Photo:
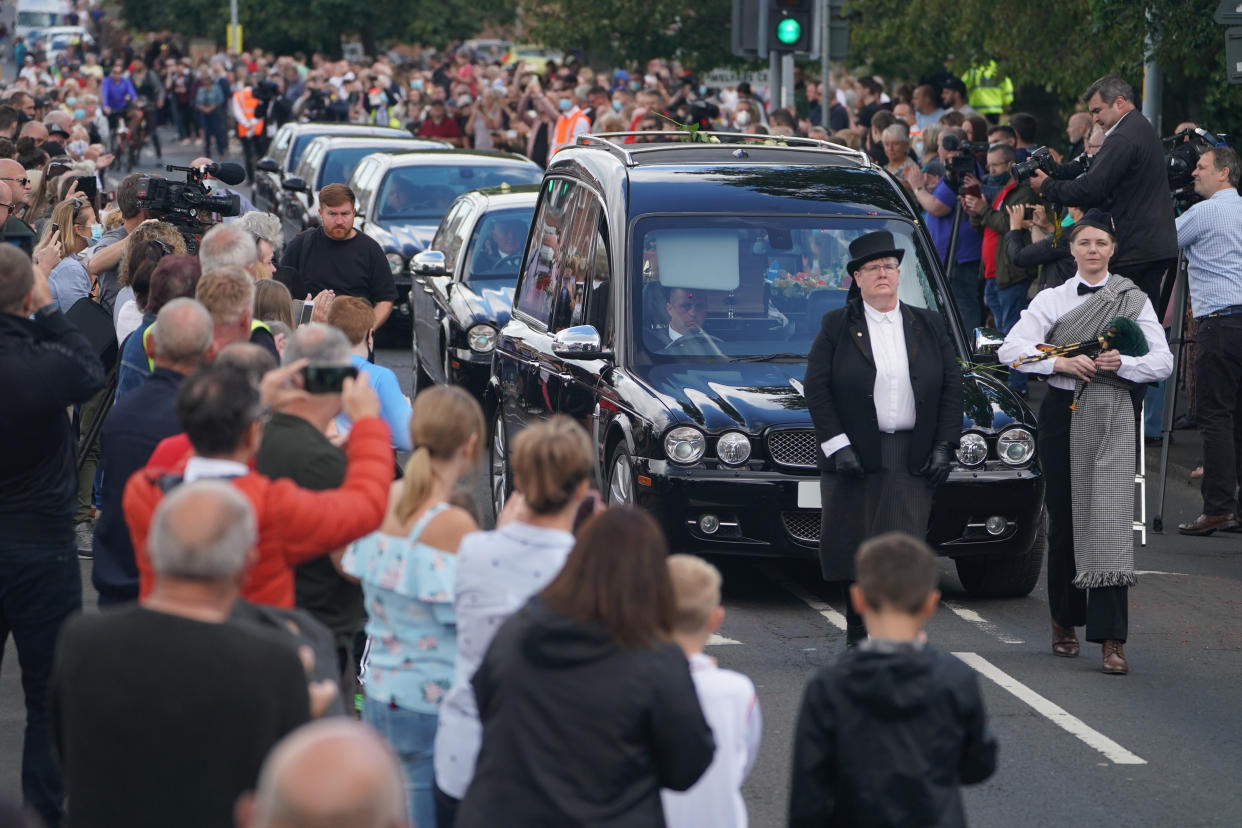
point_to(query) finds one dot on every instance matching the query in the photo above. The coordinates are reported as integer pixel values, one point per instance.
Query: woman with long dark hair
(588, 708)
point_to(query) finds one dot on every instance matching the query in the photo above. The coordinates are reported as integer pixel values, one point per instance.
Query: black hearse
(709, 431)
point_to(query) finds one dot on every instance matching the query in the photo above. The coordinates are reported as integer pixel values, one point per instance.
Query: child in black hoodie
(887, 734)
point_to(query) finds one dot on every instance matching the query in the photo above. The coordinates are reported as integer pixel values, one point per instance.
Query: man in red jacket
(221, 412)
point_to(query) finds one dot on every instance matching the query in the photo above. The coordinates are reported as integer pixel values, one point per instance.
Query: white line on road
(833, 617)
(971, 617)
(1053, 712)
(1157, 572)
(718, 640)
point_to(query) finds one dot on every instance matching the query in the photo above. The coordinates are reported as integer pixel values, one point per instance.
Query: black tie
(1084, 289)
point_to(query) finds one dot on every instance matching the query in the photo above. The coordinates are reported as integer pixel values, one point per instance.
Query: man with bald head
(180, 340)
(1076, 130)
(335, 772)
(17, 196)
(172, 680)
(34, 130)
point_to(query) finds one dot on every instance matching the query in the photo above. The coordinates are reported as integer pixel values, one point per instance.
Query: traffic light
(791, 25)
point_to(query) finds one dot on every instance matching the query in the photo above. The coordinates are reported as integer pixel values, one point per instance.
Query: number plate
(808, 495)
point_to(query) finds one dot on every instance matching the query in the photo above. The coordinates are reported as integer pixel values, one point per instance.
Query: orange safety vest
(565, 125)
(247, 102)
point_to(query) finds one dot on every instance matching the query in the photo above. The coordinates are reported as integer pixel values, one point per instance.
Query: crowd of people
(231, 468)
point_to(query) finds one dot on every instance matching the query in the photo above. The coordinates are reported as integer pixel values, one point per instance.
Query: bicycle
(137, 123)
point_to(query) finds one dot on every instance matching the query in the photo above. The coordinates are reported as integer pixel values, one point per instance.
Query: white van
(36, 15)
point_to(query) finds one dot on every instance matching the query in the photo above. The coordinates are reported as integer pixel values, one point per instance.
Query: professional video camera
(1182, 156)
(966, 159)
(1040, 159)
(264, 90)
(189, 205)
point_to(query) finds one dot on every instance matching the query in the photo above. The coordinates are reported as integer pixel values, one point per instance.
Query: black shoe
(854, 635)
(1184, 422)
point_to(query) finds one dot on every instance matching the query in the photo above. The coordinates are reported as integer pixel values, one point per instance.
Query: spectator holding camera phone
(1033, 241)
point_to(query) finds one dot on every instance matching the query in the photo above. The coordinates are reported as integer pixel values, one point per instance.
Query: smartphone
(88, 187)
(326, 379)
(1028, 212)
(308, 310)
(971, 190)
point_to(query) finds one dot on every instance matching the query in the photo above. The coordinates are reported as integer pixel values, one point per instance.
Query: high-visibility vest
(565, 126)
(255, 325)
(244, 106)
(988, 93)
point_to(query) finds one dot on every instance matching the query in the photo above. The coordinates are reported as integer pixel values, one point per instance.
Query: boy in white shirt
(728, 700)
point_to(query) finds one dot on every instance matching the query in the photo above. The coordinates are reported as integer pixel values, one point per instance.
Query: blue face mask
(96, 232)
(79, 114)
(566, 104)
(71, 100)
(616, 106)
(635, 86)
(702, 91)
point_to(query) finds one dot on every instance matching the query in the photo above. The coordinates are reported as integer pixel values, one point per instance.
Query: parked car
(402, 198)
(55, 41)
(710, 430)
(463, 285)
(287, 148)
(332, 160)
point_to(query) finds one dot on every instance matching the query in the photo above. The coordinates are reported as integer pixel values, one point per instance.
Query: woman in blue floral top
(407, 570)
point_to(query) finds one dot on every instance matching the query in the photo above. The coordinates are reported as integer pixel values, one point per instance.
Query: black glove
(846, 462)
(936, 469)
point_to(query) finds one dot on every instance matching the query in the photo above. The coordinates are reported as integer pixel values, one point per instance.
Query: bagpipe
(1122, 334)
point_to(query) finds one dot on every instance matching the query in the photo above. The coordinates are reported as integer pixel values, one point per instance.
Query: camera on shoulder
(188, 205)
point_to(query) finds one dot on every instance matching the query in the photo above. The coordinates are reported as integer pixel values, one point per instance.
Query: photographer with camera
(1006, 284)
(1210, 233)
(1128, 179)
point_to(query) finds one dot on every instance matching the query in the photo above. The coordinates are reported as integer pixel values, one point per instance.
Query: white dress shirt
(1050, 305)
(893, 395)
(211, 468)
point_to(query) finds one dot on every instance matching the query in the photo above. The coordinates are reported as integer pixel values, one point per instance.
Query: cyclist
(116, 91)
(150, 99)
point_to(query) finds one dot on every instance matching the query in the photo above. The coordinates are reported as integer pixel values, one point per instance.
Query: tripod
(1177, 339)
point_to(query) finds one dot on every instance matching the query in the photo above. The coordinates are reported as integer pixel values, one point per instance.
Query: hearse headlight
(684, 444)
(396, 262)
(972, 450)
(733, 448)
(1015, 446)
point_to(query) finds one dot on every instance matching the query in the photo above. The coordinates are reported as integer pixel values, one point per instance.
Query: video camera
(188, 205)
(264, 90)
(966, 156)
(1183, 156)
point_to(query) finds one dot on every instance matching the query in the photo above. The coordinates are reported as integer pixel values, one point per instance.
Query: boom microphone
(228, 172)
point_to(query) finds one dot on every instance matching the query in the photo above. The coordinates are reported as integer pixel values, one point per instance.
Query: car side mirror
(269, 165)
(579, 342)
(987, 342)
(429, 263)
(295, 183)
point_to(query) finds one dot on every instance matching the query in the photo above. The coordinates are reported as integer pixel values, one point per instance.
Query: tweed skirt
(887, 500)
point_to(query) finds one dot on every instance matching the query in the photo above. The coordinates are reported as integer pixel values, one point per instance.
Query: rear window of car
(426, 191)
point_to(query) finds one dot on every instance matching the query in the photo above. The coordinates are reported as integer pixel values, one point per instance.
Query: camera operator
(1210, 233)
(938, 199)
(1128, 179)
(104, 257)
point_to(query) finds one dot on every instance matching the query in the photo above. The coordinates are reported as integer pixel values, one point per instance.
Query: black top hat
(877, 245)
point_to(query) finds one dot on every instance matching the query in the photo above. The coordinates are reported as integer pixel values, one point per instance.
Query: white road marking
(1053, 712)
(1157, 572)
(718, 640)
(833, 617)
(971, 617)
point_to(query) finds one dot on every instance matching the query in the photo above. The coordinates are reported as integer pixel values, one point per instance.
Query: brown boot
(1115, 659)
(1064, 641)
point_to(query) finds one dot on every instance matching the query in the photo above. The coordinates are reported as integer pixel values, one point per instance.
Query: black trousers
(1149, 276)
(1218, 380)
(1104, 610)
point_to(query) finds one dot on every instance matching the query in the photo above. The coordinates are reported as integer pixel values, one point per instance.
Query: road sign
(1229, 13)
(1233, 54)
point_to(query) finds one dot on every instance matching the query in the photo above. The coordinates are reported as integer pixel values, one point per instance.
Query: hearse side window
(575, 258)
(537, 291)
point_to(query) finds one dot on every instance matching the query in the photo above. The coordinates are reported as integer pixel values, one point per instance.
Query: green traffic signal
(788, 31)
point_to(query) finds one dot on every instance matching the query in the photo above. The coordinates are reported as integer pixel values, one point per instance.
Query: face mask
(702, 91)
(566, 104)
(71, 100)
(79, 114)
(635, 86)
(77, 148)
(417, 83)
(743, 118)
(96, 232)
(616, 106)
(998, 180)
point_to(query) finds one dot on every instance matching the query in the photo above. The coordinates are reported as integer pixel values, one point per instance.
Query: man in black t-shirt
(173, 682)
(338, 258)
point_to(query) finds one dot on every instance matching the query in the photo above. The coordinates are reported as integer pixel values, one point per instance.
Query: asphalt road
(1160, 747)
